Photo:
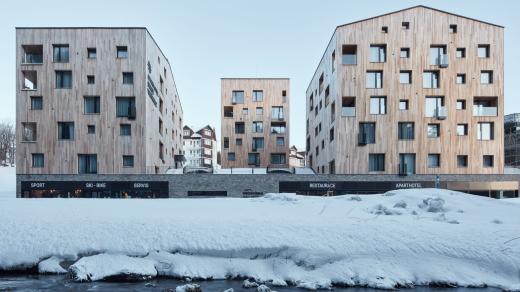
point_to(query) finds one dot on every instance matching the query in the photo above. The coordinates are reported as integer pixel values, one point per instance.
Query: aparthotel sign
(351, 186)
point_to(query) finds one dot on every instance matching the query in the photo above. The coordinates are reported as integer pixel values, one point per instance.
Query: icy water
(60, 283)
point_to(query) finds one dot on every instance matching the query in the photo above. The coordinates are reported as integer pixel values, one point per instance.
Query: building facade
(255, 122)
(417, 91)
(296, 158)
(512, 140)
(200, 148)
(95, 101)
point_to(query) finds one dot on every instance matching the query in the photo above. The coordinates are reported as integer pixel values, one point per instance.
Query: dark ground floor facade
(249, 185)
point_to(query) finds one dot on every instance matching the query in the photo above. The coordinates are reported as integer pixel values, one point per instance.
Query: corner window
(30, 80)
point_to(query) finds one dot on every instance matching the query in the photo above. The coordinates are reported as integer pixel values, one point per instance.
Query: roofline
(417, 6)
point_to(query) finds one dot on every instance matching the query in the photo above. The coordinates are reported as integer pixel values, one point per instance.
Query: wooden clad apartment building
(94, 100)
(255, 122)
(416, 91)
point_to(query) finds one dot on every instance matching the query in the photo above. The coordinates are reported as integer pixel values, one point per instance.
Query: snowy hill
(401, 238)
(7, 182)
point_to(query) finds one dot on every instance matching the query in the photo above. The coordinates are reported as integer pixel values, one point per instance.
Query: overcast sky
(207, 40)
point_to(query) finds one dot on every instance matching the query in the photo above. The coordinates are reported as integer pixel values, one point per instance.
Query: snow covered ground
(401, 238)
(7, 182)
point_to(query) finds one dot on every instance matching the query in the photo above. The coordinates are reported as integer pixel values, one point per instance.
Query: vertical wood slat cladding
(61, 157)
(272, 93)
(427, 27)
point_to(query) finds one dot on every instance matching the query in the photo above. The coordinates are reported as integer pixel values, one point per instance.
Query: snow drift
(401, 238)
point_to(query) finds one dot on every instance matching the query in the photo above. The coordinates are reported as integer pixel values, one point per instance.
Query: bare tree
(7, 143)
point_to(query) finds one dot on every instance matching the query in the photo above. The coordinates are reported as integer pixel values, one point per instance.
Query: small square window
(231, 156)
(128, 161)
(238, 142)
(91, 79)
(91, 129)
(434, 130)
(461, 104)
(128, 78)
(280, 141)
(122, 52)
(462, 129)
(91, 53)
(405, 77)
(245, 111)
(405, 25)
(434, 160)
(461, 78)
(259, 111)
(384, 29)
(125, 130)
(37, 160)
(36, 102)
(461, 53)
(405, 53)
(483, 51)
(453, 28)
(403, 105)
(462, 161)
(488, 160)
(486, 77)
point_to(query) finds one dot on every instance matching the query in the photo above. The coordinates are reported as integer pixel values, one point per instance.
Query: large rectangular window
(367, 133)
(485, 131)
(407, 163)
(438, 55)
(258, 95)
(277, 113)
(431, 79)
(65, 130)
(349, 55)
(277, 128)
(237, 96)
(61, 53)
(253, 159)
(378, 105)
(258, 143)
(32, 54)
(278, 158)
(258, 127)
(434, 160)
(92, 105)
(348, 106)
(125, 107)
(378, 53)
(63, 79)
(226, 142)
(374, 79)
(28, 132)
(434, 106)
(376, 162)
(87, 163)
(37, 160)
(240, 128)
(406, 131)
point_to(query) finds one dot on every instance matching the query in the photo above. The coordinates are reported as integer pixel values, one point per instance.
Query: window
(258, 127)
(406, 163)
(238, 141)
(258, 143)
(128, 78)
(240, 128)
(453, 28)
(485, 106)
(406, 131)
(87, 163)
(327, 92)
(405, 77)
(125, 130)
(434, 130)
(378, 105)
(486, 77)
(483, 51)
(460, 53)
(367, 133)
(317, 151)
(122, 52)
(65, 130)
(333, 61)
(63, 79)
(461, 78)
(237, 97)
(228, 112)
(91, 129)
(91, 79)
(405, 25)
(258, 95)
(434, 160)
(91, 53)
(434, 106)
(37, 160)
(280, 141)
(374, 79)
(125, 107)
(488, 160)
(438, 55)
(485, 131)
(61, 53)
(462, 161)
(36, 102)
(245, 111)
(332, 167)
(405, 53)
(253, 159)
(92, 104)
(384, 29)
(311, 102)
(403, 105)
(349, 55)
(32, 54)
(277, 113)
(376, 162)
(160, 126)
(259, 111)
(278, 158)
(226, 142)
(331, 134)
(332, 112)
(431, 79)
(462, 129)
(28, 132)
(30, 81)
(231, 156)
(128, 161)
(321, 82)
(377, 53)
(461, 104)
(278, 128)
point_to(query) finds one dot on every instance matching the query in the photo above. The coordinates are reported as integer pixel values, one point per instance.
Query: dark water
(61, 283)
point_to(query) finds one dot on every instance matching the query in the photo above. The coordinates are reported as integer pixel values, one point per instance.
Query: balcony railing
(349, 59)
(348, 111)
(485, 111)
(33, 59)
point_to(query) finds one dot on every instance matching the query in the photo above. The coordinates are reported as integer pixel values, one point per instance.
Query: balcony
(32, 54)
(485, 111)
(348, 111)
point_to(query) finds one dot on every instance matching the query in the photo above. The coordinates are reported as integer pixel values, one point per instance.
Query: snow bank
(7, 182)
(402, 238)
(51, 266)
